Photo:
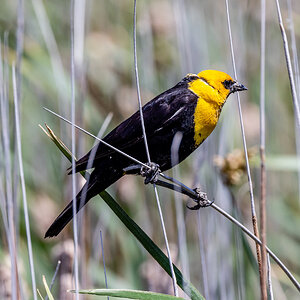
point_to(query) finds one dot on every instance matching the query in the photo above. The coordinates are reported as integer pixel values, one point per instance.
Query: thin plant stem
(203, 258)
(2, 204)
(148, 153)
(166, 242)
(297, 78)
(55, 274)
(181, 228)
(13, 210)
(263, 224)
(182, 36)
(79, 31)
(103, 259)
(54, 277)
(294, 46)
(8, 182)
(79, 70)
(253, 213)
(25, 206)
(20, 43)
(2, 197)
(73, 98)
(55, 58)
(59, 76)
(19, 53)
(138, 84)
(270, 287)
(289, 66)
(263, 178)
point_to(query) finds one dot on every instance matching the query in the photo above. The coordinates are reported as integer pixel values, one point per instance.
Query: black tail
(87, 192)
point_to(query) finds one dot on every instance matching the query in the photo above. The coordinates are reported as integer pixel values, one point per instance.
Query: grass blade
(47, 289)
(130, 294)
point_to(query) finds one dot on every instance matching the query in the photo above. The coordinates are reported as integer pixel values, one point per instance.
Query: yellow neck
(208, 109)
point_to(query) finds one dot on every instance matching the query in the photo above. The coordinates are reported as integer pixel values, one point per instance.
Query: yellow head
(212, 89)
(214, 86)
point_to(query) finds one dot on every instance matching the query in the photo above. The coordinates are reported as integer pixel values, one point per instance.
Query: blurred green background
(173, 38)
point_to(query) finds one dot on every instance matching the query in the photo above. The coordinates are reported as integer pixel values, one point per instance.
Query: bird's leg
(150, 174)
(202, 200)
(199, 197)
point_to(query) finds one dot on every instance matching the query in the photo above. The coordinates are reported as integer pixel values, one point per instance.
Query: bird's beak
(237, 87)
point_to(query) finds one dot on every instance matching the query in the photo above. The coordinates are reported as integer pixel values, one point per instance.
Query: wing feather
(162, 111)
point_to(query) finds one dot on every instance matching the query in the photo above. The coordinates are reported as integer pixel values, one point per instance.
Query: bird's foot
(151, 173)
(202, 200)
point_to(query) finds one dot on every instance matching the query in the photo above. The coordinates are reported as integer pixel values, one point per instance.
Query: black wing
(161, 111)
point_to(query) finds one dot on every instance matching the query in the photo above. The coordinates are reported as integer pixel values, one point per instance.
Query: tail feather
(94, 187)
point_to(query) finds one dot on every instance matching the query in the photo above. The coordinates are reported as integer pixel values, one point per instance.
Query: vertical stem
(54, 277)
(263, 222)
(4, 109)
(75, 227)
(166, 242)
(138, 84)
(182, 36)
(20, 42)
(203, 257)
(269, 278)
(78, 39)
(181, 228)
(262, 208)
(297, 78)
(19, 53)
(289, 67)
(148, 153)
(253, 213)
(18, 140)
(16, 170)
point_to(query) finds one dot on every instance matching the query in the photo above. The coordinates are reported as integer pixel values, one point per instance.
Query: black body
(164, 116)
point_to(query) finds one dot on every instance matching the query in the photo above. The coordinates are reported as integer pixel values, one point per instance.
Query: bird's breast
(206, 116)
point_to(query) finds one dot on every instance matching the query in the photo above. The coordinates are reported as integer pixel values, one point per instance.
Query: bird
(192, 107)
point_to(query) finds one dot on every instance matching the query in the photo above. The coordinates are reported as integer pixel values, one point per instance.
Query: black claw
(151, 173)
(195, 207)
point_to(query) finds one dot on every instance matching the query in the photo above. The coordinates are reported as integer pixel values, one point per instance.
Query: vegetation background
(173, 38)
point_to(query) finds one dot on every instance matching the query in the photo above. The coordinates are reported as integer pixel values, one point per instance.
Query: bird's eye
(227, 84)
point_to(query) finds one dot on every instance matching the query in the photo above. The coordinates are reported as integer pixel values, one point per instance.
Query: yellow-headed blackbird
(192, 107)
